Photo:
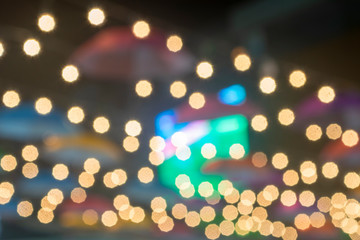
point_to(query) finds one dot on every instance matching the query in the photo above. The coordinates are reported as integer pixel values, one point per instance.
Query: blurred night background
(127, 119)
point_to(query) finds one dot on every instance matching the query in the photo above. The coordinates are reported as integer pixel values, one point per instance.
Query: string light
(31, 47)
(333, 131)
(267, 85)
(96, 16)
(8, 163)
(174, 43)
(46, 22)
(43, 106)
(286, 117)
(297, 78)
(178, 89)
(101, 124)
(141, 29)
(350, 138)
(313, 132)
(133, 128)
(204, 70)
(326, 94)
(145, 175)
(70, 73)
(2, 49)
(242, 62)
(197, 100)
(11, 99)
(76, 114)
(143, 88)
(259, 123)
(60, 172)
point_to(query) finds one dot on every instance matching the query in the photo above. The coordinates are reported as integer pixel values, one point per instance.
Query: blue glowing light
(233, 95)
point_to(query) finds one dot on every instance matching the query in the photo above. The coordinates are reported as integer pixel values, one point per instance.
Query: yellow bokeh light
(350, 138)
(158, 204)
(179, 211)
(11, 99)
(280, 161)
(212, 231)
(307, 198)
(308, 169)
(290, 234)
(197, 100)
(242, 62)
(101, 124)
(78, 195)
(121, 202)
(46, 23)
(119, 177)
(96, 16)
(43, 105)
(31, 47)
(302, 221)
(8, 163)
(192, 219)
(267, 85)
(157, 143)
(324, 204)
(231, 195)
(45, 215)
(259, 214)
(286, 117)
(338, 200)
(237, 151)
(143, 88)
(317, 219)
(352, 180)
(109, 218)
(156, 158)
(271, 193)
(174, 43)
(205, 189)
(133, 128)
(326, 94)
(330, 170)
(90, 217)
(60, 172)
(76, 114)
(279, 229)
(166, 224)
(141, 29)
(208, 150)
(86, 180)
(259, 123)
(55, 196)
(248, 197)
(2, 49)
(70, 73)
(333, 131)
(30, 170)
(131, 144)
(297, 78)
(230, 212)
(145, 175)
(259, 159)
(25, 208)
(207, 214)
(288, 198)
(223, 186)
(178, 89)
(30, 153)
(137, 214)
(313, 132)
(226, 228)
(92, 165)
(204, 70)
